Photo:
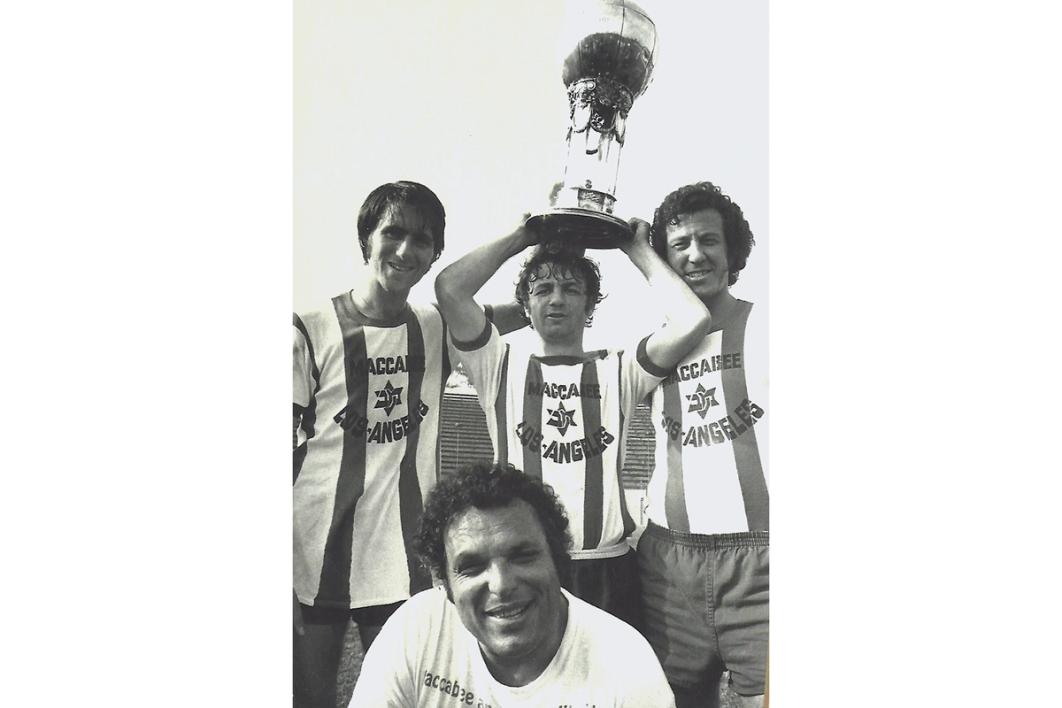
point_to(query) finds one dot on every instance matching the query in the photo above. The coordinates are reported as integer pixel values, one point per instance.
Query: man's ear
(364, 247)
(590, 307)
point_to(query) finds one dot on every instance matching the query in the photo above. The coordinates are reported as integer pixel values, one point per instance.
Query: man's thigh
(706, 610)
(611, 584)
(741, 588)
(370, 621)
(316, 654)
(677, 618)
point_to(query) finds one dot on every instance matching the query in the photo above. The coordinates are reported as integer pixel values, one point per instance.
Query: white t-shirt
(425, 657)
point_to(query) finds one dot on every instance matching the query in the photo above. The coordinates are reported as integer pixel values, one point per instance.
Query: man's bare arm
(688, 320)
(508, 317)
(458, 283)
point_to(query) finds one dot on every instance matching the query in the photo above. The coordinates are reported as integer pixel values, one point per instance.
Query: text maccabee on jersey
(719, 362)
(381, 365)
(563, 391)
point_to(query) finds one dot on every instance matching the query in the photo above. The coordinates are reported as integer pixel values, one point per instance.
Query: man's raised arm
(458, 283)
(688, 320)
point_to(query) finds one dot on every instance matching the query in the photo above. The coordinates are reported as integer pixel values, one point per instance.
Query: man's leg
(704, 695)
(751, 701)
(610, 584)
(677, 615)
(317, 652)
(741, 581)
(371, 620)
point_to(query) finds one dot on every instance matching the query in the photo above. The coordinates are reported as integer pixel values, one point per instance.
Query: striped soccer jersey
(561, 419)
(366, 451)
(711, 434)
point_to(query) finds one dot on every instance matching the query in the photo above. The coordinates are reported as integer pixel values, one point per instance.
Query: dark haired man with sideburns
(500, 631)
(704, 556)
(369, 372)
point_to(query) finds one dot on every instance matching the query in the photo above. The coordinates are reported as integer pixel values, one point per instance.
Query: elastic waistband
(742, 539)
(614, 551)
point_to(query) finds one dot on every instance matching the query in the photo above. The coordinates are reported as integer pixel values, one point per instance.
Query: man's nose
(500, 578)
(404, 247)
(695, 254)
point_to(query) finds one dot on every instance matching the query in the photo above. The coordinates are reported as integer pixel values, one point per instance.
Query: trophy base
(573, 228)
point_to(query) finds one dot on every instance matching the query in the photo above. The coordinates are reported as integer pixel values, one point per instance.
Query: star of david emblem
(561, 418)
(701, 400)
(388, 397)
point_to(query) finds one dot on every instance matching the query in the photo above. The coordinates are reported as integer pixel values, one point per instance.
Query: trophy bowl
(611, 49)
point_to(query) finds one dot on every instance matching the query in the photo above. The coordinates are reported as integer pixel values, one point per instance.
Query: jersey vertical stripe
(532, 412)
(410, 503)
(593, 495)
(621, 443)
(501, 419)
(746, 450)
(335, 573)
(309, 412)
(675, 500)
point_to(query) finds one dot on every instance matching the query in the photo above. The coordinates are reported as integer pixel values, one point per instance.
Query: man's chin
(400, 284)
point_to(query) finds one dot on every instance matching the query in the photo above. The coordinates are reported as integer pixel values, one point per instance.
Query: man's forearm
(688, 320)
(462, 279)
(684, 309)
(457, 285)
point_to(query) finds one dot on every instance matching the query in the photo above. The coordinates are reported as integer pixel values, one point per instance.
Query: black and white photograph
(567, 281)
(530, 238)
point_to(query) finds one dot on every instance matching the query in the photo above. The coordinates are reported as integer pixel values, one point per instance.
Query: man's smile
(509, 612)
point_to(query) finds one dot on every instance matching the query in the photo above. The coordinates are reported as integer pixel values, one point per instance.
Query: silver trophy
(610, 63)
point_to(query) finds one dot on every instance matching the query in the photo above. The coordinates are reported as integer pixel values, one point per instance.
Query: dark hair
(394, 194)
(705, 195)
(484, 485)
(562, 264)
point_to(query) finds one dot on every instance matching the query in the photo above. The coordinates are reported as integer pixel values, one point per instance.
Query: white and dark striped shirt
(561, 419)
(366, 450)
(710, 416)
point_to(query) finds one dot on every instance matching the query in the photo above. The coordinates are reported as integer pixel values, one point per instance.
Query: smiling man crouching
(501, 631)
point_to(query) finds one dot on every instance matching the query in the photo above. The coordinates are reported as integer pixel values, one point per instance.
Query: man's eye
(680, 245)
(526, 556)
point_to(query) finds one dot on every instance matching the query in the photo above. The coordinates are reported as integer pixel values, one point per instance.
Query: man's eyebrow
(464, 557)
(525, 545)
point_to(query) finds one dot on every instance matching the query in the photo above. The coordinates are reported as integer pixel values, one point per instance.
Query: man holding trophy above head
(557, 411)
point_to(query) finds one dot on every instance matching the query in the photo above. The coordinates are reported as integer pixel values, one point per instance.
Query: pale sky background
(147, 165)
(467, 98)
